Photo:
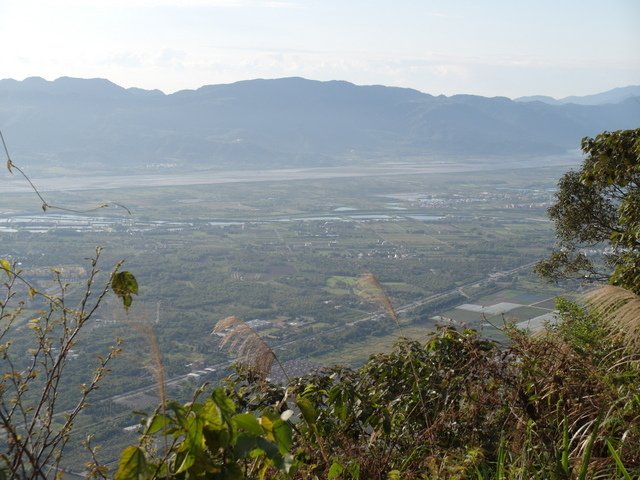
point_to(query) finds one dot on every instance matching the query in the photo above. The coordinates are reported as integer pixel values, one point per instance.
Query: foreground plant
(562, 404)
(209, 439)
(34, 427)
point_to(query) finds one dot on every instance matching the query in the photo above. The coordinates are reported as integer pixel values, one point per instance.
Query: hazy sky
(506, 47)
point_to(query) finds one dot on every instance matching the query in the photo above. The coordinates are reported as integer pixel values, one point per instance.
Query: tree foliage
(597, 214)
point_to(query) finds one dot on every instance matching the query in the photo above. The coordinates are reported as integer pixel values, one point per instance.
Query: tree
(597, 214)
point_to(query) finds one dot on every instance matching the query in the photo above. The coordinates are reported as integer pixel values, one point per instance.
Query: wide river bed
(16, 183)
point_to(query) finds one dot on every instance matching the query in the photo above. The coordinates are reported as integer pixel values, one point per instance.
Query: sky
(486, 47)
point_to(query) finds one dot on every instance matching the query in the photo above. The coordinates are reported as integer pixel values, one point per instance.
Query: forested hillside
(99, 126)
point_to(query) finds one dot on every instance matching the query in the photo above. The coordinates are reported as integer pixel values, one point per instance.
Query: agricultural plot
(489, 310)
(499, 308)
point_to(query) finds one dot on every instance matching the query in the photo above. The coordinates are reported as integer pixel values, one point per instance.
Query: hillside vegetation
(563, 404)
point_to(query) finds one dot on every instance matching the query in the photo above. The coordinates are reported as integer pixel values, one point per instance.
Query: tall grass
(619, 309)
(248, 347)
(370, 289)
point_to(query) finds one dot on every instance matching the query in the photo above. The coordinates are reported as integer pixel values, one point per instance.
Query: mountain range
(615, 95)
(96, 125)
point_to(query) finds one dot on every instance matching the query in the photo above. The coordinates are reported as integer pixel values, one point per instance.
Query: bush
(560, 404)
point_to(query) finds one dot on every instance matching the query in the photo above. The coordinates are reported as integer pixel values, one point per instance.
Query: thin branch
(46, 205)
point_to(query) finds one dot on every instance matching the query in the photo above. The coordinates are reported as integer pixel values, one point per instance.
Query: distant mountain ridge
(96, 124)
(615, 95)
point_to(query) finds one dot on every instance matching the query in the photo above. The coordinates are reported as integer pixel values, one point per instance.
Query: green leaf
(564, 460)
(132, 465)
(337, 396)
(212, 415)
(354, 470)
(271, 451)
(124, 284)
(194, 440)
(335, 471)
(186, 460)
(226, 405)
(586, 456)
(283, 434)
(179, 412)
(245, 443)
(156, 423)
(267, 425)
(619, 465)
(6, 266)
(308, 410)
(248, 423)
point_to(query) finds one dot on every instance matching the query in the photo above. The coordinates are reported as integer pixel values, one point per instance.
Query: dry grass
(620, 311)
(369, 288)
(155, 365)
(250, 350)
(139, 318)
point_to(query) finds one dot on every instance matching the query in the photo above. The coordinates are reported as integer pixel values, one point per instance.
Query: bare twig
(30, 392)
(44, 204)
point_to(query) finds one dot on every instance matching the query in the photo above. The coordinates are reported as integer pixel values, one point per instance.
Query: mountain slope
(95, 124)
(615, 95)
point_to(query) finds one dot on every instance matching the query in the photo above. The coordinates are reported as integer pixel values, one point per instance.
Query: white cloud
(188, 43)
